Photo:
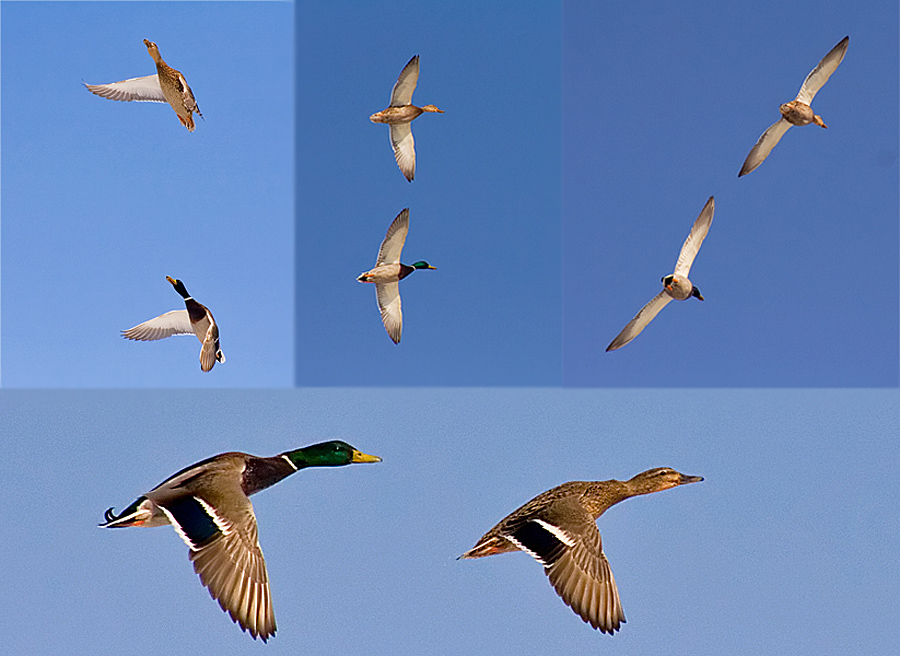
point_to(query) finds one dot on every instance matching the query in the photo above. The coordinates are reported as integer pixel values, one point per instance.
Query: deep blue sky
(102, 200)
(788, 546)
(484, 205)
(800, 268)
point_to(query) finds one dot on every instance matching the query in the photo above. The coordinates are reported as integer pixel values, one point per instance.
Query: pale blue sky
(788, 546)
(102, 200)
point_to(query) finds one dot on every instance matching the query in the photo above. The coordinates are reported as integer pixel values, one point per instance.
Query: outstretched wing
(402, 92)
(640, 321)
(388, 295)
(138, 89)
(764, 146)
(820, 74)
(176, 322)
(695, 239)
(404, 146)
(392, 245)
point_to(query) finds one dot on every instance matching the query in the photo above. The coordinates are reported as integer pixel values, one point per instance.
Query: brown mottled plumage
(558, 528)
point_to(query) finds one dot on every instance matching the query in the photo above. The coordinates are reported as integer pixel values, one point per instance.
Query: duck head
(422, 264)
(696, 293)
(431, 108)
(660, 478)
(328, 454)
(179, 286)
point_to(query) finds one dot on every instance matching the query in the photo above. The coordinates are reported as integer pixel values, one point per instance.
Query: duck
(400, 114)
(798, 111)
(558, 529)
(208, 505)
(676, 285)
(388, 273)
(196, 319)
(167, 86)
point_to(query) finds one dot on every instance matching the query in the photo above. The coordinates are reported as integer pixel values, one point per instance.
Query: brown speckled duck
(558, 529)
(168, 86)
(399, 116)
(798, 111)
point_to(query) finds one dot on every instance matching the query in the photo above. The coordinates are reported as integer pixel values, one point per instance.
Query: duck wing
(402, 92)
(211, 513)
(209, 352)
(394, 239)
(388, 296)
(138, 89)
(695, 239)
(176, 322)
(820, 74)
(640, 321)
(764, 146)
(565, 540)
(404, 146)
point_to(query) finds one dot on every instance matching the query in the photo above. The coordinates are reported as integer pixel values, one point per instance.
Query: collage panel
(788, 537)
(799, 269)
(483, 204)
(103, 200)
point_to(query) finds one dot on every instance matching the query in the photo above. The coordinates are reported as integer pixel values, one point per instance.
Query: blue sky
(484, 205)
(102, 200)
(800, 268)
(577, 147)
(788, 546)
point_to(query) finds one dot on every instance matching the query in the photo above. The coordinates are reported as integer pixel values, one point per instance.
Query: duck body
(385, 273)
(676, 286)
(558, 529)
(400, 114)
(797, 112)
(166, 86)
(388, 272)
(207, 503)
(175, 88)
(195, 319)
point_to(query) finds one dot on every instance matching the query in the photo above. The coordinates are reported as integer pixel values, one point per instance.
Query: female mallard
(558, 529)
(167, 86)
(798, 111)
(676, 285)
(388, 273)
(208, 505)
(399, 116)
(195, 320)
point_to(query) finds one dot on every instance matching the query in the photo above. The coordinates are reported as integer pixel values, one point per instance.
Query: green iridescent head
(328, 454)
(422, 264)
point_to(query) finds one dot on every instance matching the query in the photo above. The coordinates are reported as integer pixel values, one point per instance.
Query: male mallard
(208, 505)
(798, 111)
(558, 529)
(195, 320)
(167, 86)
(399, 116)
(388, 272)
(676, 285)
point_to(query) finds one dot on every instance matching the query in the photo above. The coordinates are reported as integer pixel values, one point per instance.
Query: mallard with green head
(196, 319)
(208, 505)
(558, 529)
(676, 285)
(399, 116)
(388, 273)
(167, 86)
